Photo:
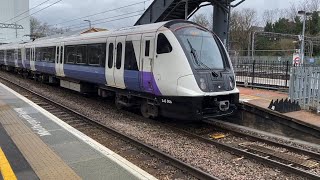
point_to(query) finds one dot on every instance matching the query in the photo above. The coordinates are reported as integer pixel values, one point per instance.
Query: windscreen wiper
(199, 62)
(194, 53)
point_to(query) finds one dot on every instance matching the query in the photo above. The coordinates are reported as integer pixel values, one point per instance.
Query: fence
(262, 73)
(305, 86)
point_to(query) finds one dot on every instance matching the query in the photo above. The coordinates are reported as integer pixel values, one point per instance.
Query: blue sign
(311, 60)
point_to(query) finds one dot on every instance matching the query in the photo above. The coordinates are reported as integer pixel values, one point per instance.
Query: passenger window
(110, 55)
(147, 48)
(28, 54)
(96, 54)
(103, 55)
(130, 62)
(51, 54)
(93, 54)
(81, 55)
(19, 55)
(70, 54)
(163, 45)
(1, 55)
(119, 55)
(38, 54)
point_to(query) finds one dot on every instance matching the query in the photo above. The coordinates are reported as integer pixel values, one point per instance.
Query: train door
(59, 60)
(118, 72)
(147, 55)
(110, 61)
(23, 56)
(16, 57)
(33, 58)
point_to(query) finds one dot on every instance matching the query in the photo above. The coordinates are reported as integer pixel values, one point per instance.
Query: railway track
(99, 131)
(283, 156)
(246, 148)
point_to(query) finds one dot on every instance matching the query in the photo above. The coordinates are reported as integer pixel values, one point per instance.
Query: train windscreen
(202, 46)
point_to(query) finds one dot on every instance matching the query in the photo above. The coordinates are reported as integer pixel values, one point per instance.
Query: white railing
(305, 86)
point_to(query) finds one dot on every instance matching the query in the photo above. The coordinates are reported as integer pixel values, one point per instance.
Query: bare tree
(201, 19)
(241, 24)
(40, 29)
(306, 5)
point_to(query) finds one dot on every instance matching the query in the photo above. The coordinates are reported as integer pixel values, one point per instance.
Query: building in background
(10, 11)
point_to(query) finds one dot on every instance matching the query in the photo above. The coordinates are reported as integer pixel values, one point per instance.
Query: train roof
(95, 36)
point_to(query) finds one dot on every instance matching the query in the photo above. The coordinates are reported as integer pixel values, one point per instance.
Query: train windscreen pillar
(220, 23)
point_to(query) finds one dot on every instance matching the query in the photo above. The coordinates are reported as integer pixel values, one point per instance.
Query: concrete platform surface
(38, 145)
(262, 98)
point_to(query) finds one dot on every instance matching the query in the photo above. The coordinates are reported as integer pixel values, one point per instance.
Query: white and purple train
(176, 69)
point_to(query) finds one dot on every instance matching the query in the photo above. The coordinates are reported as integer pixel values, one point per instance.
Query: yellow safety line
(5, 167)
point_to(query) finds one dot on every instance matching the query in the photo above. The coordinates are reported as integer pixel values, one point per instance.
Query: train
(176, 69)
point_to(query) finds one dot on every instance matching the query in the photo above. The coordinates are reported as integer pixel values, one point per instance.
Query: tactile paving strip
(42, 159)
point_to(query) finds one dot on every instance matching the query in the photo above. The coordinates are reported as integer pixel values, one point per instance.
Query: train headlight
(203, 85)
(232, 83)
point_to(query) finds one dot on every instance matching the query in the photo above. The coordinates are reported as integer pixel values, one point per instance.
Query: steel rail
(257, 157)
(309, 153)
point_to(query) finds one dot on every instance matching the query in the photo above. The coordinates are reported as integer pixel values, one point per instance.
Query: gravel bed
(201, 155)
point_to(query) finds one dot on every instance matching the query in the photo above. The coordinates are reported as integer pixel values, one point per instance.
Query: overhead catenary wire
(97, 23)
(97, 20)
(39, 10)
(109, 21)
(110, 10)
(26, 11)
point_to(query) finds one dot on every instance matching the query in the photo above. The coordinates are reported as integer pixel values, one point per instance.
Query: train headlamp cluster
(203, 84)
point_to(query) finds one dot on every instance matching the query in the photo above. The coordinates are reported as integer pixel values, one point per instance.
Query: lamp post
(304, 15)
(88, 22)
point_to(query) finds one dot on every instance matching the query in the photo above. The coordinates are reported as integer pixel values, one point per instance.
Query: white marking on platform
(133, 169)
(35, 125)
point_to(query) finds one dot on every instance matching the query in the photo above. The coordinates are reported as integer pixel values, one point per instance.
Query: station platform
(35, 144)
(262, 98)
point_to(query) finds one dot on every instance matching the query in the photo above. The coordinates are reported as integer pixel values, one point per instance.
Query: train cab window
(147, 48)
(130, 62)
(70, 54)
(119, 55)
(110, 55)
(81, 55)
(163, 45)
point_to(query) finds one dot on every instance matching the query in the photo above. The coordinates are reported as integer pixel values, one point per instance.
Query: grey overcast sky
(71, 9)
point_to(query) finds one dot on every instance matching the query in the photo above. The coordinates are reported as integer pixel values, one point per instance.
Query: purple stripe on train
(144, 83)
(149, 83)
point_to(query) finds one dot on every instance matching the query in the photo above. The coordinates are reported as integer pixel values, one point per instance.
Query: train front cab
(205, 86)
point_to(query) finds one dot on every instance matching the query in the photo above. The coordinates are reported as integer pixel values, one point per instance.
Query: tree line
(243, 22)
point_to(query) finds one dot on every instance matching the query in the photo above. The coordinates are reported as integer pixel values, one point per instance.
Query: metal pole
(15, 27)
(186, 10)
(88, 22)
(302, 41)
(252, 50)
(249, 42)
